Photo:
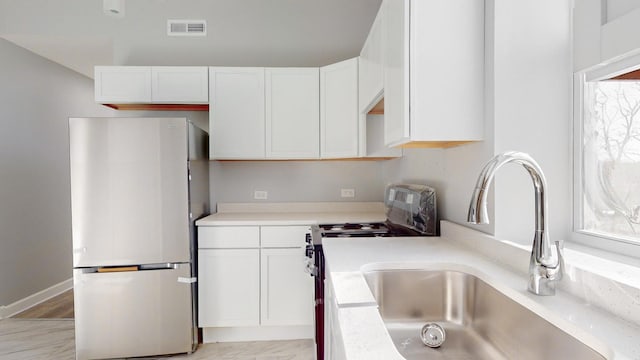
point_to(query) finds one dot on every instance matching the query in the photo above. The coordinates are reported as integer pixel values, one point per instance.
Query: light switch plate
(260, 195)
(348, 193)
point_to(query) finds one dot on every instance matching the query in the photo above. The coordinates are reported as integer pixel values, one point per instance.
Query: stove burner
(360, 230)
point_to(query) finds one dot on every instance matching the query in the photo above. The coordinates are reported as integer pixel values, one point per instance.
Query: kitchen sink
(479, 321)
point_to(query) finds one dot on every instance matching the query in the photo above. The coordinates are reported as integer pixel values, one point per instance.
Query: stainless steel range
(410, 211)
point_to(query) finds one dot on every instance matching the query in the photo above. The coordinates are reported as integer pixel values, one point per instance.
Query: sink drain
(432, 335)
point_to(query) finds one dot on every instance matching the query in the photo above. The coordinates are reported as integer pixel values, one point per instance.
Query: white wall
(527, 108)
(532, 99)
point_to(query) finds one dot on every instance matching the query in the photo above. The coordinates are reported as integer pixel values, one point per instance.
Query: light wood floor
(58, 307)
(39, 339)
(46, 331)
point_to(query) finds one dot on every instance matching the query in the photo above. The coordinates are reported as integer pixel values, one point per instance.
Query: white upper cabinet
(292, 113)
(396, 71)
(151, 85)
(601, 31)
(433, 71)
(237, 113)
(339, 110)
(122, 84)
(179, 84)
(371, 79)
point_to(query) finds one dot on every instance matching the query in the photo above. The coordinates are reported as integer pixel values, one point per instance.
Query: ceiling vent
(186, 27)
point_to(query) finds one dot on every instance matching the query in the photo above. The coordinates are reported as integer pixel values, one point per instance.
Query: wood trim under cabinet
(160, 107)
(341, 159)
(435, 144)
(377, 109)
(633, 75)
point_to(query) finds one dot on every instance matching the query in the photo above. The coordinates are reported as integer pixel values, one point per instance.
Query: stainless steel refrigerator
(137, 187)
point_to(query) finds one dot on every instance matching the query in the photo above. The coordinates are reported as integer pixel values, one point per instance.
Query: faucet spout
(545, 268)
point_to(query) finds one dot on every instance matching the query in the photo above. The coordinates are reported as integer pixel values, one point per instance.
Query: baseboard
(35, 299)
(258, 333)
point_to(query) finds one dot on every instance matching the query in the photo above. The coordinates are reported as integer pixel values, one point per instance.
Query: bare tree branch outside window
(611, 158)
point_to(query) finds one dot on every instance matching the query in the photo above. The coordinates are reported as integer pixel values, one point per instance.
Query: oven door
(314, 266)
(318, 259)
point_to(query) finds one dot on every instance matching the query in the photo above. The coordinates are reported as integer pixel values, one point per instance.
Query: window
(607, 154)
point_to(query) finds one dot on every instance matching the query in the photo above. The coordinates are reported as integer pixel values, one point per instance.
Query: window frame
(612, 68)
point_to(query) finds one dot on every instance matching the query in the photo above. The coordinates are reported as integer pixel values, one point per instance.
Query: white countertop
(613, 336)
(294, 214)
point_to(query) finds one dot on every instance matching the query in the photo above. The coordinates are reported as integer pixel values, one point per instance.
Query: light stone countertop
(603, 325)
(284, 214)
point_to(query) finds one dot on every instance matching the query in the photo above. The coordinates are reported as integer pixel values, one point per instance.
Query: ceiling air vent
(186, 27)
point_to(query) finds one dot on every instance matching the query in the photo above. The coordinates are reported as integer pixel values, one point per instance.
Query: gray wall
(295, 181)
(37, 97)
(527, 108)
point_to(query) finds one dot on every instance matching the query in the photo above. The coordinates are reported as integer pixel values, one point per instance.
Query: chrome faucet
(544, 269)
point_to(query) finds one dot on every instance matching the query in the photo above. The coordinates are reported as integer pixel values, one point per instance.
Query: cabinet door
(122, 84)
(228, 287)
(287, 291)
(339, 110)
(292, 113)
(236, 113)
(180, 84)
(371, 82)
(396, 71)
(447, 72)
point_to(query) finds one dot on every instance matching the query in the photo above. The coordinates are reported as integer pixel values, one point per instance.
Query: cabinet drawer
(228, 237)
(283, 236)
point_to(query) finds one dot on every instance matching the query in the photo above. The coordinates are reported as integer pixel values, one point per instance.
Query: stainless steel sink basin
(480, 322)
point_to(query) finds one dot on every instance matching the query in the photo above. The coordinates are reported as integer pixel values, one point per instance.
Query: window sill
(608, 281)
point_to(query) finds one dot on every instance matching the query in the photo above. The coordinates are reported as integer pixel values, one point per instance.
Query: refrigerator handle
(187, 280)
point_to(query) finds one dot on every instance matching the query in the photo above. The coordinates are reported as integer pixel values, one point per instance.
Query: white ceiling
(78, 35)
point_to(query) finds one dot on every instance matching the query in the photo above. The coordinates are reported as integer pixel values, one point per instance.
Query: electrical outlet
(260, 195)
(348, 193)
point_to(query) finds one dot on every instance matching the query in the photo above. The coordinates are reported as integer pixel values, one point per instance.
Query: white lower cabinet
(252, 284)
(286, 288)
(229, 287)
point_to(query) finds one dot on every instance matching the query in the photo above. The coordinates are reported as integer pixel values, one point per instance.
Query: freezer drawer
(135, 313)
